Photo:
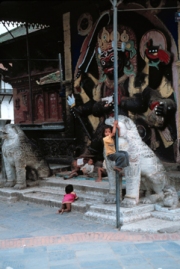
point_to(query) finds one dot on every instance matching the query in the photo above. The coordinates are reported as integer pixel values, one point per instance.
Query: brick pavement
(87, 237)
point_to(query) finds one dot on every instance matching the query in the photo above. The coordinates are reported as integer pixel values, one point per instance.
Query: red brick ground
(86, 237)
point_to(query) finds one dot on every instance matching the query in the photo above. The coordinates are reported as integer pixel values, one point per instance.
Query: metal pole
(29, 73)
(116, 107)
(61, 73)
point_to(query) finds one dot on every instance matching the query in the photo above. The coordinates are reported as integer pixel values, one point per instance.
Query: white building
(6, 100)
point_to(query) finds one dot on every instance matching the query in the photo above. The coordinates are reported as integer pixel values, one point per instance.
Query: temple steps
(50, 191)
(107, 213)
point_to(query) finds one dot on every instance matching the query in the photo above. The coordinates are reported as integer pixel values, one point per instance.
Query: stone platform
(49, 191)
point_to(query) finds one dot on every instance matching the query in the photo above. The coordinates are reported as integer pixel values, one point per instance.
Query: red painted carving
(46, 103)
(53, 106)
(40, 107)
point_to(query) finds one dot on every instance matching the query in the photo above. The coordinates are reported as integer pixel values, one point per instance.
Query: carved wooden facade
(46, 101)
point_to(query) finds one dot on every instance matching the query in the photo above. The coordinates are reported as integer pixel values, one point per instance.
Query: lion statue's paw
(19, 186)
(9, 184)
(145, 200)
(110, 199)
(128, 202)
(171, 198)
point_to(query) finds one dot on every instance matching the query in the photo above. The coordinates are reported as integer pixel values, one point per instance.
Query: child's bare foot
(66, 177)
(70, 176)
(59, 211)
(120, 170)
(117, 169)
(98, 180)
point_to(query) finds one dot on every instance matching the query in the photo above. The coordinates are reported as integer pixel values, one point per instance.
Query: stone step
(165, 213)
(50, 191)
(111, 219)
(80, 186)
(57, 168)
(107, 213)
(64, 173)
(92, 176)
(166, 216)
(50, 200)
(8, 199)
(110, 209)
(53, 193)
(152, 225)
(100, 218)
(38, 196)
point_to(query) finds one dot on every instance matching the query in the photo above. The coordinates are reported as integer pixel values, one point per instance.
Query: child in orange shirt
(120, 157)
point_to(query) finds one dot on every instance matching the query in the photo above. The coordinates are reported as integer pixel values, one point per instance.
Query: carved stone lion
(145, 168)
(22, 159)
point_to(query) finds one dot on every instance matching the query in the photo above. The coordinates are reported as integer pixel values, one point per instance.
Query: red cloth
(154, 104)
(69, 198)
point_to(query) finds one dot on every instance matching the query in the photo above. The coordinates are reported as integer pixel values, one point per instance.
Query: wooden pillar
(178, 93)
(67, 57)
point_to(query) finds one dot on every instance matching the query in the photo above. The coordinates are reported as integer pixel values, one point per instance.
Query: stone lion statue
(145, 168)
(22, 159)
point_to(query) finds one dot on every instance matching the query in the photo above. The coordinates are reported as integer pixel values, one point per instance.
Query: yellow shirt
(109, 145)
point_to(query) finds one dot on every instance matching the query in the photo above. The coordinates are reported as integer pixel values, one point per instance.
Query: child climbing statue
(68, 199)
(121, 157)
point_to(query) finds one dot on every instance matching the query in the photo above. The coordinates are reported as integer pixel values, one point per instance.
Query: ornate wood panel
(46, 101)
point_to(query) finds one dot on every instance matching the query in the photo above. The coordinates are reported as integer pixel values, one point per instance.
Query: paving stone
(173, 266)
(36, 264)
(160, 263)
(141, 266)
(130, 260)
(101, 264)
(148, 246)
(170, 246)
(65, 266)
(61, 255)
(91, 245)
(123, 249)
(151, 254)
(55, 248)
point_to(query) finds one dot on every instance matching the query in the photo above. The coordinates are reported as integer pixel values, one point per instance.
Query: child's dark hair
(69, 188)
(107, 127)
